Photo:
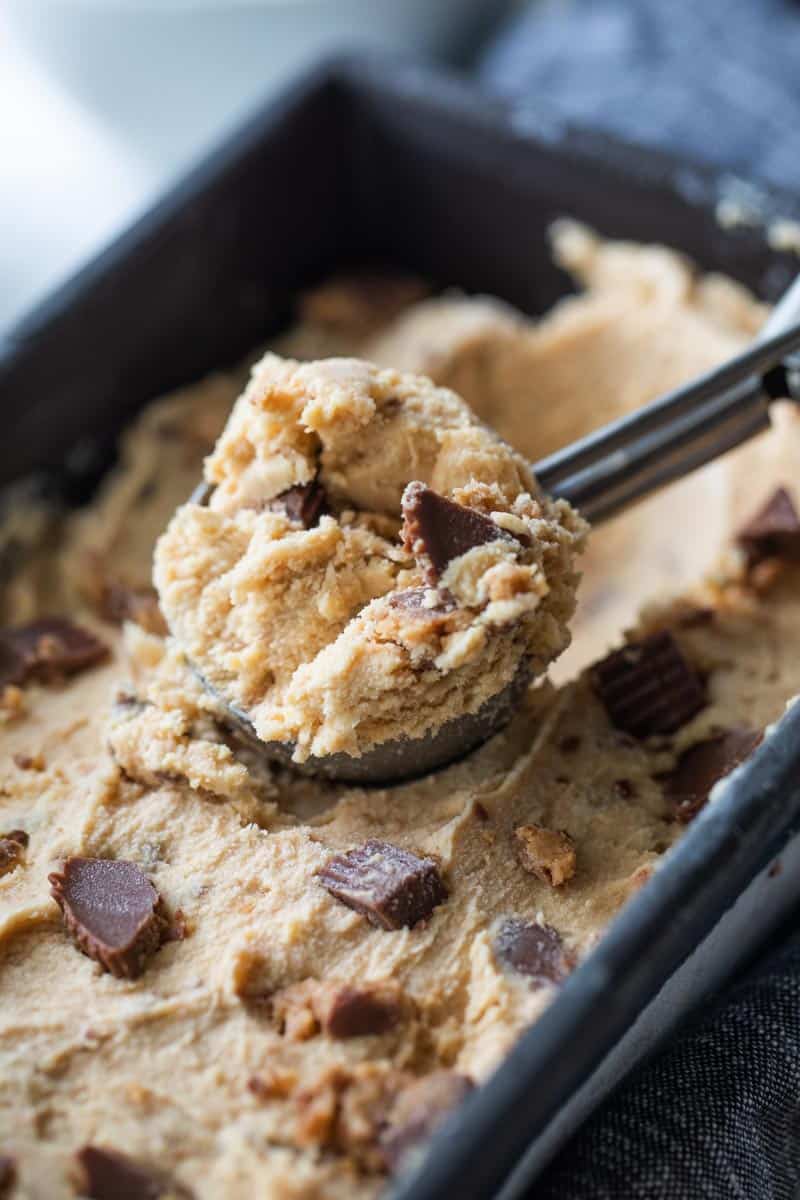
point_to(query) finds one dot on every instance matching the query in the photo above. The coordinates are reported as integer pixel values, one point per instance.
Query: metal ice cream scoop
(600, 475)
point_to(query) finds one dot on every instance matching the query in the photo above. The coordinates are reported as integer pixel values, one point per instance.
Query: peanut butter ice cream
(222, 978)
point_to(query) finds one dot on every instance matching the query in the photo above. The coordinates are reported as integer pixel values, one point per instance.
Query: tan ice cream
(302, 977)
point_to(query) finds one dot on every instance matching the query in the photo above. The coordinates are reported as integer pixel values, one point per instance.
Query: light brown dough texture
(215, 1065)
(309, 629)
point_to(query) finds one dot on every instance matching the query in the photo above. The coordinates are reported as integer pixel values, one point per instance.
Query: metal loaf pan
(376, 159)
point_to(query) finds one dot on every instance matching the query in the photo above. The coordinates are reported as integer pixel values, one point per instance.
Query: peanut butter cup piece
(391, 887)
(437, 530)
(418, 1111)
(120, 602)
(47, 649)
(689, 784)
(8, 1175)
(549, 854)
(774, 531)
(303, 504)
(12, 850)
(366, 1011)
(103, 1174)
(533, 950)
(648, 687)
(112, 911)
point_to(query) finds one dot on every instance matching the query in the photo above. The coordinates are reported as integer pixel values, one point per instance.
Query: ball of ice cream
(370, 563)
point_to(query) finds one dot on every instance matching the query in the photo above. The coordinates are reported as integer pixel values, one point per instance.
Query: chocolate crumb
(548, 854)
(648, 687)
(774, 531)
(689, 784)
(112, 911)
(12, 850)
(533, 950)
(569, 744)
(437, 530)
(480, 811)
(105, 1174)
(29, 762)
(391, 887)
(303, 504)
(8, 1175)
(420, 1108)
(45, 650)
(412, 601)
(775, 869)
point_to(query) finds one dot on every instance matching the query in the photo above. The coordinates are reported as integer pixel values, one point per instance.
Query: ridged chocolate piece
(533, 950)
(47, 649)
(418, 1111)
(437, 530)
(304, 503)
(648, 687)
(774, 531)
(112, 911)
(104, 1174)
(391, 887)
(689, 784)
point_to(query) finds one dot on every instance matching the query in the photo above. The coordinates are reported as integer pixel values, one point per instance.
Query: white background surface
(136, 90)
(66, 183)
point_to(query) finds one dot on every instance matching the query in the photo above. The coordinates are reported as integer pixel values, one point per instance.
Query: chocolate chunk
(12, 850)
(112, 911)
(47, 649)
(362, 1011)
(304, 503)
(418, 1111)
(648, 687)
(533, 950)
(774, 531)
(8, 1175)
(437, 530)
(118, 602)
(391, 887)
(688, 785)
(108, 1175)
(414, 602)
(549, 854)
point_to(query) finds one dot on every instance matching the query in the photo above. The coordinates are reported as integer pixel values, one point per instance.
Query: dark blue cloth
(717, 79)
(716, 1116)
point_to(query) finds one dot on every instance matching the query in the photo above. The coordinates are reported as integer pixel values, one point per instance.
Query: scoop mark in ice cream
(648, 687)
(304, 503)
(689, 784)
(391, 887)
(418, 1111)
(533, 950)
(104, 1174)
(774, 531)
(46, 650)
(437, 530)
(112, 911)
